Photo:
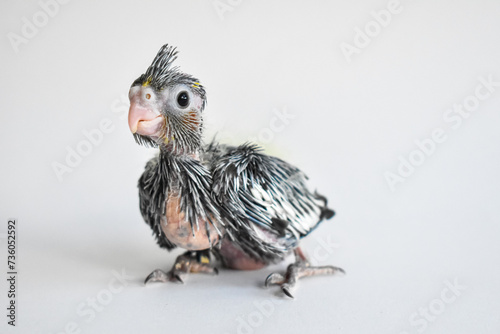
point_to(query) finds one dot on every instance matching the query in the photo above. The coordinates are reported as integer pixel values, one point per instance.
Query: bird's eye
(148, 96)
(183, 99)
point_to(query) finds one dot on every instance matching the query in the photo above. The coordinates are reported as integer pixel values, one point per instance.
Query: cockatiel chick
(246, 208)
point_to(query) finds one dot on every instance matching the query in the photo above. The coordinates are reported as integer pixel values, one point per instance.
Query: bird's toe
(286, 288)
(157, 275)
(274, 278)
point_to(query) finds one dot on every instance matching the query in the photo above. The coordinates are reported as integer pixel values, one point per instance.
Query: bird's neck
(168, 154)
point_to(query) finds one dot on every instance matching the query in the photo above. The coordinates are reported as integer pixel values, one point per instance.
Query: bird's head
(166, 106)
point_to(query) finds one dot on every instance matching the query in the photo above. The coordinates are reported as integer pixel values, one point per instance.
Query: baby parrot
(235, 206)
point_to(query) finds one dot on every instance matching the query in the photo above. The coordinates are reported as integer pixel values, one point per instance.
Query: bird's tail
(326, 212)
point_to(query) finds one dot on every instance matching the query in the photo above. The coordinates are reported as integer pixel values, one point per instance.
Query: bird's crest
(161, 73)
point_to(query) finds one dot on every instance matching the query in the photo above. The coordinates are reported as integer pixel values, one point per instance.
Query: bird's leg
(189, 262)
(300, 268)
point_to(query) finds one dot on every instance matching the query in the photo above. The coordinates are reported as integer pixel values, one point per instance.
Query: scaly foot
(295, 271)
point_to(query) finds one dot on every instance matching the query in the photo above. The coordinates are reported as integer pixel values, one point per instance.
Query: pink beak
(145, 121)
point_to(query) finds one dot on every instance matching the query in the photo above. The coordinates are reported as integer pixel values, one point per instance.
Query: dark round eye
(183, 99)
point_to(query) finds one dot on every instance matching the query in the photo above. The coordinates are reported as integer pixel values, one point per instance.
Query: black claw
(156, 276)
(216, 271)
(336, 269)
(147, 279)
(268, 278)
(287, 292)
(177, 277)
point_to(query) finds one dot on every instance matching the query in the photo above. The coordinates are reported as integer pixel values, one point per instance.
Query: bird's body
(254, 206)
(247, 208)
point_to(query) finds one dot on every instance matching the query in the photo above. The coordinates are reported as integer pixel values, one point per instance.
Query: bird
(228, 206)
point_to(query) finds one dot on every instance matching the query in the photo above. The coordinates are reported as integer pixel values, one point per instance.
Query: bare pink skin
(178, 230)
(235, 258)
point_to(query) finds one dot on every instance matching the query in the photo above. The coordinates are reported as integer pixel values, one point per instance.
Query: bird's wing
(267, 203)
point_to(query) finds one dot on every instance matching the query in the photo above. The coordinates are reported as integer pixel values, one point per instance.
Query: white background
(352, 121)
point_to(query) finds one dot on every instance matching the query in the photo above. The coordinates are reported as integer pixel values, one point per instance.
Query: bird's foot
(189, 262)
(295, 271)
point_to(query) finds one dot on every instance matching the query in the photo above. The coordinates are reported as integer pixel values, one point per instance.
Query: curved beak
(145, 121)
